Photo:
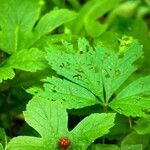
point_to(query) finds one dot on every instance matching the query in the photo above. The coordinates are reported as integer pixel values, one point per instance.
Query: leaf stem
(103, 140)
(130, 122)
(105, 106)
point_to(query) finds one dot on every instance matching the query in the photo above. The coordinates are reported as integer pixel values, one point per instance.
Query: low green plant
(79, 72)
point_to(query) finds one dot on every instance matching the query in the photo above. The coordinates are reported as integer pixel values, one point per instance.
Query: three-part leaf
(50, 119)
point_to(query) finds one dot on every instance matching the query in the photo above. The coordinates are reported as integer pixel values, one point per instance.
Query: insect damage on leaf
(99, 70)
(80, 60)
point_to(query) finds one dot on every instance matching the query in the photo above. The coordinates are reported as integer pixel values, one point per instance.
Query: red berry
(64, 143)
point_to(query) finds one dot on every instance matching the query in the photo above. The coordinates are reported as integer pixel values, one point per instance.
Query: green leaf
(53, 19)
(3, 139)
(117, 68)
(89, 129)
(132, 147)
(92, 25)
(50, 120)
(73, 95)
(108, 39)
(1, 147)
(27, 60)
(134, 106)
(43, 116)
(34, 90)
(89, 14)
(26, 143)
(124, 10)
(96, 69)
(120, 129)
(20, 28)
(136, 88)
(80, 67)
(94, 28)
(143, 126)
(103, 147)
(134, 138)
(6, 73)
(17, 18)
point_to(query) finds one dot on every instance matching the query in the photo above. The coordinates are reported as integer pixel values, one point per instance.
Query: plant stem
(103, 140)
(130, 122)
(105, 106)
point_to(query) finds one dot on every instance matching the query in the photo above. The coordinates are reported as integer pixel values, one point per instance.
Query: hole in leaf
(107, 75)
(62, 65)
(81, 52)
(64, 100)
(53, 90)
(77, 76)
